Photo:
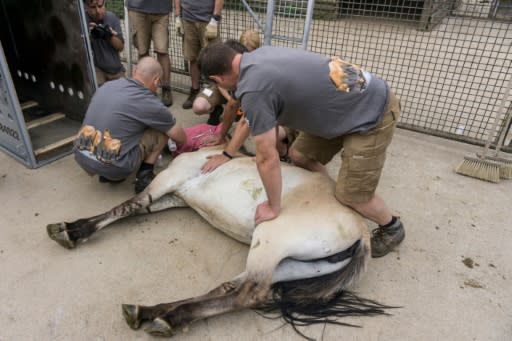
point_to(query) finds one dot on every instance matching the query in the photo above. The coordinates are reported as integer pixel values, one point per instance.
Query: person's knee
(200, 106)
(350, 202)
(297, 157)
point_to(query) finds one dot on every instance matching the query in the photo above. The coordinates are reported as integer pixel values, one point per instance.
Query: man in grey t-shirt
(106, 39)
(126, 128)
(334, 104)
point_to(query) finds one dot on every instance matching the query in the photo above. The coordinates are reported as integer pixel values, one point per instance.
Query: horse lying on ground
(298, 264)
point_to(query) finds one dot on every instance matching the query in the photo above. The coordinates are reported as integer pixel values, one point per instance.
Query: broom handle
(507, 119)
(496, 119)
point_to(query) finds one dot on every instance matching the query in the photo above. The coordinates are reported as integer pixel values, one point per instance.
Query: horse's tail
(323, 299)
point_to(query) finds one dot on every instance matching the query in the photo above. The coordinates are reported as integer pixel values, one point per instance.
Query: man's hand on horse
(214, 161)
(265, 212)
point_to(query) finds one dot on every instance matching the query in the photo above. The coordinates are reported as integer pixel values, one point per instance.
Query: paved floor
(452, 274)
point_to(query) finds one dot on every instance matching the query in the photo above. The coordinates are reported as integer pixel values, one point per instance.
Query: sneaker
(190, 99)
(143, 179)
(166, 95)
(103, 180)
(385, 239)
(214, 118)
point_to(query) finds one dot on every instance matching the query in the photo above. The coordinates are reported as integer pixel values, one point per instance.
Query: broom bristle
(479, 168)
(505, 166)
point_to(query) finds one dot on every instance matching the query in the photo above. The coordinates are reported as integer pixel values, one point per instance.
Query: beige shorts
(212, 94)
(146, 27)
(195, 39)
(102, 76)
(362, 157)
(151, 139)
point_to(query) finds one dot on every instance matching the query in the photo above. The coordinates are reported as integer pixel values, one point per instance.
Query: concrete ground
(452, 275)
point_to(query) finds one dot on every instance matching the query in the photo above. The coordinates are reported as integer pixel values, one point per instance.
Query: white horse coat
(313, 236)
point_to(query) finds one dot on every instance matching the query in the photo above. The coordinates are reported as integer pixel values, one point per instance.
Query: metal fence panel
(447, 60)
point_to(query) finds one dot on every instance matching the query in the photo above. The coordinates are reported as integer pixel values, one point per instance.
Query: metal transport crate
(46, 78)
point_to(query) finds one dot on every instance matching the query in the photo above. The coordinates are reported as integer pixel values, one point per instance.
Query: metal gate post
(307, 24)
(267, 39)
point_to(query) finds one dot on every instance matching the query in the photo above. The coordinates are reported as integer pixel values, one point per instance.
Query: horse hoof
(131, 314)
(159, 327)
(53, 229)
(61, 237)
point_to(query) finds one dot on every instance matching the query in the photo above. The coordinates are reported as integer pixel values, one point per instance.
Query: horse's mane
(322, 299)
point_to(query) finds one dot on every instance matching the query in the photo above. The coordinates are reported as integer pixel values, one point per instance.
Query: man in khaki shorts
(336, 105)
(149, 21)
(198, 22)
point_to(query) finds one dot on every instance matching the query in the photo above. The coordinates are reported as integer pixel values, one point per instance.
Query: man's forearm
(239, 136)
(270, 174)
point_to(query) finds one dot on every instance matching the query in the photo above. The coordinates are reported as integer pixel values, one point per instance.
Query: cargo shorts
(195, 39)
(211, 93)
(146, 27)
(149, 141)
(363, 154)
(102, 77)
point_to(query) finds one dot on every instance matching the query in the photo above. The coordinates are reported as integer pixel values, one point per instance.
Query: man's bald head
(148, 71)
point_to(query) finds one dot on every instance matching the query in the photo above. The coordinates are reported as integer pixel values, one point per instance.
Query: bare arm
(177, 8)
(217, 8)
(269, 167)
(239, 136)
(177, 134)
(116, 43)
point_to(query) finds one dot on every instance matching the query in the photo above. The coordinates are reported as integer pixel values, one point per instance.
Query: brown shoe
(190, 99)
(166, 95)
(385, 239)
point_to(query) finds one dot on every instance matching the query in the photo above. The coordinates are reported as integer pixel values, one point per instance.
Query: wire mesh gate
(447, 60)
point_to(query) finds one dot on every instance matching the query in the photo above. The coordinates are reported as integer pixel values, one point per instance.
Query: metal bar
(267, 39)
(307, 24)
(128, 42)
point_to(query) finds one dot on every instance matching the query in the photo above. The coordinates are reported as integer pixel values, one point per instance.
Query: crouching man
(126, 127)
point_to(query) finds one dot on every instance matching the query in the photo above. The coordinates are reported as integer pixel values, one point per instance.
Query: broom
(504, 163)
(489, 168)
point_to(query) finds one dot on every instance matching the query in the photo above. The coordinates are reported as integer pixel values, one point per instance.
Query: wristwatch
(217, 17)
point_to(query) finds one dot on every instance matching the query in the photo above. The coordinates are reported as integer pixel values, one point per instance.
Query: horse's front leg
(69, 234)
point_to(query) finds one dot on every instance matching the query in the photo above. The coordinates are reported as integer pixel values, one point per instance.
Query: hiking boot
(166, 95)
(190, 99)
(103, 180)
(214, 118)
(143, 179)
(385, 239)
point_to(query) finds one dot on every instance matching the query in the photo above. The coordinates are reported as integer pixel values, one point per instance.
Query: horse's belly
(230, 211)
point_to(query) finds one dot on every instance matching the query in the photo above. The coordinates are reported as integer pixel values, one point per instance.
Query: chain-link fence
(449, 61)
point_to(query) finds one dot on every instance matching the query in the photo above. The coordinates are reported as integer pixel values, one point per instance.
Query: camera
(101, 32)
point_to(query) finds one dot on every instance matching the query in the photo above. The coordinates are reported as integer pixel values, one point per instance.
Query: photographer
(106, 41)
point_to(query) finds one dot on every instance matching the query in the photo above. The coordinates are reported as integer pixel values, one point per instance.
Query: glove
(212, 29)
(179, 26)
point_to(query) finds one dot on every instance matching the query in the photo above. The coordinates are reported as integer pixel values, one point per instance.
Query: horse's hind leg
(136, 314)
(166, 318)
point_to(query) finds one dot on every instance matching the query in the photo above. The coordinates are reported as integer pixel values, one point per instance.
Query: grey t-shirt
(150, 6)
(294, 88)
(197, 10)
(126, 108)
(106, 57)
